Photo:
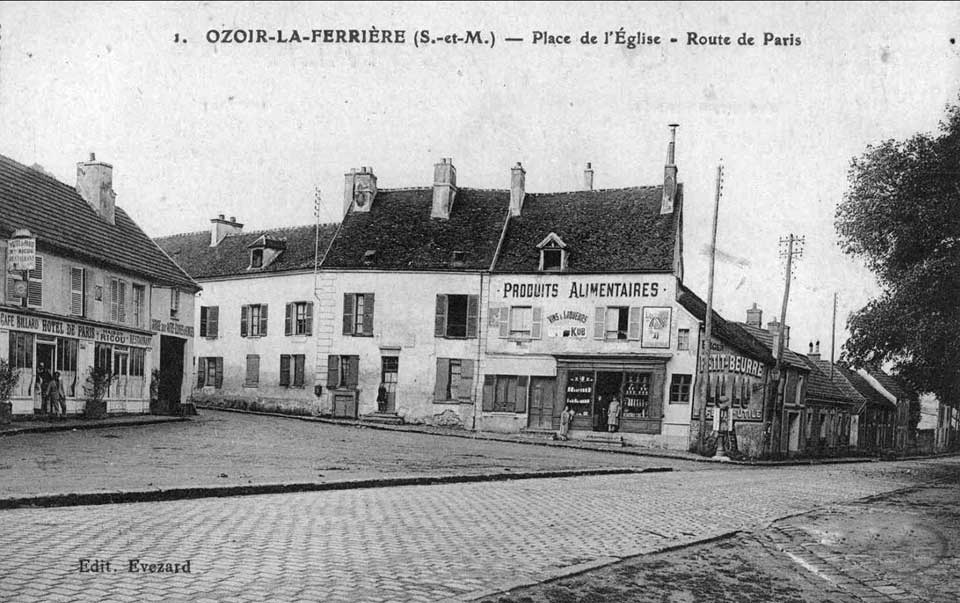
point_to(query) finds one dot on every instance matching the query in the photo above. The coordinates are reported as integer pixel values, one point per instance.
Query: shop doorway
(609, 386)
(793, 421)
(171, 371)
(543, 403)
(46, 352)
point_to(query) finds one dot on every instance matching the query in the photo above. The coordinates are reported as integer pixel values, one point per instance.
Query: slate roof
(819, 385)
(612, 230)
(231, 257)
(727, 331)
(399, 229)
(64, 223)
(790, 357)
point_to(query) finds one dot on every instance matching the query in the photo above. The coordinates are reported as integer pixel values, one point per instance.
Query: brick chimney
(588, 178)
(444, 188)
(755, 316)
(518, 178)
(95, 185)
(670, 174)
(359, 189)
(774, 327)
(223, 227)
(814, 351)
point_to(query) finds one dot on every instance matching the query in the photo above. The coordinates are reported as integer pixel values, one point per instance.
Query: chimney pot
(518, 177)
(95, 185)
(588, 178)
(220, 216)
(444, 188)
(670, 174)
(220, 228)
(811, 347)
(93, 156)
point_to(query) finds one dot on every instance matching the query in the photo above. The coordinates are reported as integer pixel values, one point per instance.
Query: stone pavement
(37, 425)
(427, 543)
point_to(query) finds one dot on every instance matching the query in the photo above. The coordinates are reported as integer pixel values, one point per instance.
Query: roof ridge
(600, 190)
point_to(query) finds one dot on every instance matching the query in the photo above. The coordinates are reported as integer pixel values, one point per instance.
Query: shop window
(174, 303)
(342, 371)
(139, 305)
(252, 378)
(20, 357)
(253, 320)
(298, 319)
(66, 364)
(683, 339)
(457, 316)
(358, 314)
(210, 372)
(78, 298)
(209, 321)
(505, 393)
(680, 389)
(292, 370)
(636, 397)
(454, 379)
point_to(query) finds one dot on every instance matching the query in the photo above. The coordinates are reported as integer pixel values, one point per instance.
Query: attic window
(458, 258)
(553, 254)
(369, 257)
(256, 258)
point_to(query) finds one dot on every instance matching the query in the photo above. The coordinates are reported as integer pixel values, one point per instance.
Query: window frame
(139, 293)
(683, 339)
(520, 311)
(681, 388)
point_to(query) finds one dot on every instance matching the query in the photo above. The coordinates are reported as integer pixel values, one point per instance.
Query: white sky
(198, 129)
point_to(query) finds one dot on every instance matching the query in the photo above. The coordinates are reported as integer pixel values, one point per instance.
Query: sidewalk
(36, 425)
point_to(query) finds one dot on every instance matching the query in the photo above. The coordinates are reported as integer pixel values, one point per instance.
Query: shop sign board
(735, 382)
(21, 254)
(656, 328)
(171, 328)
(65, 328)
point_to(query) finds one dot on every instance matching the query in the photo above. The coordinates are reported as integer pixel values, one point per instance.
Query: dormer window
(370, 257)
(256, 258)
(553, 254)
(265, 251)
(458, 258)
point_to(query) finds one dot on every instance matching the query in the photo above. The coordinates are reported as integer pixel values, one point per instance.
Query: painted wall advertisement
(735, 382)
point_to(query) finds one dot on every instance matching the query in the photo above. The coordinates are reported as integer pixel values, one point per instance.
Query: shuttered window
(139, 305)
(118, 300)
(298, 319)
(78, 301)
(358, 314)
(292, 370)
(457, 316)
(253, 320)
(209, 321)
(454, 380)
(210, 372)
(35, 284)
(505, 393)
(252, 378)
(174, 302)
(342, 371)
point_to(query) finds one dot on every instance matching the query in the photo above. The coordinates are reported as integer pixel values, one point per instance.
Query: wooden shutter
(443, 378)
(284, 370)
(333, 371)
(657, 383)
(298, 370)
(122, 302)
(253, 369)
(520, 393)
(203, 321)
(466, 379)
(504, 322)
(263, 320)
(598, 322)
(309, 330)
(634, 328)
(368, 313)
(219, 373)
(77, 298)
(244, 319)
(349, 301)
(213, 321)
(288, 320)
(201, 371)
(489, 382)
(493, 316)
(353, 371)
(35, 284)
(473, 315)
(440, 322)
(535, 325)
(114, 294)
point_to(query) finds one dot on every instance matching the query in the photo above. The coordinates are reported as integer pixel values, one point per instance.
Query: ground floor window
(210, 372)
(505, 393)
(252, 378)
(292, 368)
(343, 371)
(20, 358)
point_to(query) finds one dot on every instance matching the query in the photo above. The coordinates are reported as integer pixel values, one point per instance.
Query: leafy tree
(901, 215)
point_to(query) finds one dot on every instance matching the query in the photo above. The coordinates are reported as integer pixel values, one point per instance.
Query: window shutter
(122, 303)
(466, 379)
(443, 377)
(201, 371)
(309, 330)
(493, 317)
(298, 369)
(634, 328)
(489, 381)
(219, 372)
(263, 320)
(535, 326)
(284, 370)
(35, 284)
(288, 320)
(368, 313)
(333, 371)
(114, 294)
(203, 321)
(473, 315)
(353, 371)
(504, 322)
(440, 324)
(598, 322)
(213, 321)
(253, 369)
(520, 394)
(4, 282)
(348, 305)
(244, 319)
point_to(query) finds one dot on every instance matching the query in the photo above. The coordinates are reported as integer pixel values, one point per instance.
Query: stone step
(382, 418)
(603, 438)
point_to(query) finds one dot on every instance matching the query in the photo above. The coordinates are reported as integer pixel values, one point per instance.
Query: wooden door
(542, 403)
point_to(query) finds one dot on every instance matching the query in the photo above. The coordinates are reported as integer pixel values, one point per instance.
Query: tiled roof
(400, 232)
(231, 257)
(890, 383)
(62, 221)
(614, 230)
(819, 386)
(727, 331)
(790, 357)
(840, 380)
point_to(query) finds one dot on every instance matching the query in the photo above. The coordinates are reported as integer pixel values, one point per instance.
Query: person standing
(55, 397)
(566, 417)
(613, 415)
(43, 380)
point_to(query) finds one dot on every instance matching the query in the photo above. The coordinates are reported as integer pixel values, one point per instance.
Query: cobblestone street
(408, 543)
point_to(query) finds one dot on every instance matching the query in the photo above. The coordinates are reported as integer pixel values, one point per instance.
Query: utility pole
(708, 327)
(833, 333)
(790, 246)
(317, 204)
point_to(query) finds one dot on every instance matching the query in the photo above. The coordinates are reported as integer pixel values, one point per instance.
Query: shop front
(590, 385)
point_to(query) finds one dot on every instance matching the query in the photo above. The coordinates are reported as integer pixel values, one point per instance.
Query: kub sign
(21, 254)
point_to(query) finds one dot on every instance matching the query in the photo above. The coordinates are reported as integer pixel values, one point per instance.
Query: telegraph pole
(790, 246)
(833, 333)
(708, 327)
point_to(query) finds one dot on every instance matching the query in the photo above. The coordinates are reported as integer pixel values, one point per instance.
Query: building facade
(99, 294)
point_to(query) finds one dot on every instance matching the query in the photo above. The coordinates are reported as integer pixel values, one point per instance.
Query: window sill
(253, 336)
(251, 385)
(455, 337)
(359, 335)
